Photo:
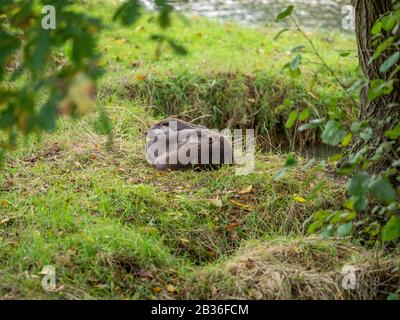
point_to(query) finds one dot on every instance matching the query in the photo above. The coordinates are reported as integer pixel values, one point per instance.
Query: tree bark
(383, 113)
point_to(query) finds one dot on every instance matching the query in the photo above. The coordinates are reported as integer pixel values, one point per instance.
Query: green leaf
(383, 190)
(332, 134)
(294, 65)
(366, 134)
(388, 22)
(305, 114)
(345, 229)
(290, 161)
(383, 46)
(178, 49)
(391, 231)
(292, 119)
(393, 296)
(40, 51)
(379, 87)
(129, 12)
(358, 188)
(390, 62)
(347, 139)
(376, 29)
(165, 9)
(345, 54)
(394, 133)
(285, 13)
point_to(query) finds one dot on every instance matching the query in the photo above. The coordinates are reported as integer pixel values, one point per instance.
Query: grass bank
(114, 227)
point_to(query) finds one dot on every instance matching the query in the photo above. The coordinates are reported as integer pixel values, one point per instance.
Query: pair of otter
(176, 144)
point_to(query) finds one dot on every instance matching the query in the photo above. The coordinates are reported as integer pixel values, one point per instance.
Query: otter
(175, 144)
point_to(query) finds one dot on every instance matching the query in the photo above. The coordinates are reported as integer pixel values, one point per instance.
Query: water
(310, 13)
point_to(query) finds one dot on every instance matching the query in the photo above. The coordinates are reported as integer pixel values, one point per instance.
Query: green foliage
(34, 88)
(285, 13)
(363, 187)
(47, 72)
(292, 119)
(332, 134)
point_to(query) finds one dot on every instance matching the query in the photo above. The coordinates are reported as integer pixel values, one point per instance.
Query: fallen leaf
(242, 205)
(4, 203)
(171, 288)
(232, 226)
(299, 199)
(156, 289)
(140, 77)
(246, 189)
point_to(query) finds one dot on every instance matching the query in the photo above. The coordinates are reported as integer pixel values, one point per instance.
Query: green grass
(84, 200)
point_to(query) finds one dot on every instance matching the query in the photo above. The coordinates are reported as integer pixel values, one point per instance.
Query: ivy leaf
(383, 190)
(345, 229)
(390, 62)
(376, 29)
(379, 87)
(391, 231)
(394, 133)
(285, 13)
(393, 296)
(358, 188)
(347, 139)
(366, 134)
(382, 47)
(388, 22)
(332, 134)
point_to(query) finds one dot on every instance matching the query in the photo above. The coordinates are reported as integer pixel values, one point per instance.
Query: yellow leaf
(4, 203)
(347, 139)
(299, 199)
(171, 288)
(140, 77)
(245, 206)
(156, 289)
(246, 189)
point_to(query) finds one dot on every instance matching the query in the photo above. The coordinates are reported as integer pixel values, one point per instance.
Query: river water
(327, 14)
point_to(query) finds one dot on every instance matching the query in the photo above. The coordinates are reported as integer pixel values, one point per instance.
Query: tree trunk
(383, 113)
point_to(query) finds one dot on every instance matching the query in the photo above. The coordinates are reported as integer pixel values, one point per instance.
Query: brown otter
(176, 144)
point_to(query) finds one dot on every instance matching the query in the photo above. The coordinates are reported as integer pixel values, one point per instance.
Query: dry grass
(309, 268)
